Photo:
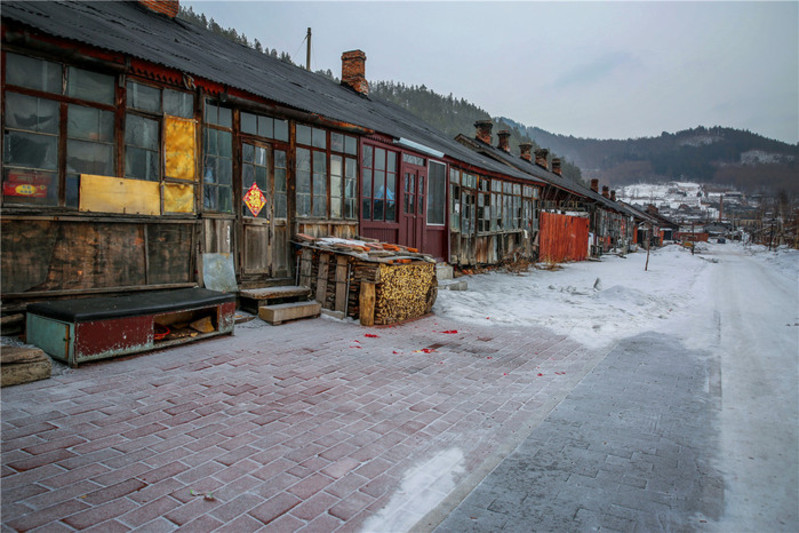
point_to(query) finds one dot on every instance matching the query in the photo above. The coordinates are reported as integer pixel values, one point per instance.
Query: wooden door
(412, 210)
(256, 206)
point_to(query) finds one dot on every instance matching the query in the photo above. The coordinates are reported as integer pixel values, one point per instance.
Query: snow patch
(422, 489)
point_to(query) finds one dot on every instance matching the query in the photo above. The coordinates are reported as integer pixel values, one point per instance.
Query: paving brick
(96, 515)
(275, 507)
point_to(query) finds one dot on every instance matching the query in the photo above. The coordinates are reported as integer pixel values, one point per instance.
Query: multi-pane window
(143, 127)
(254, 170)
(468, 201)
(42, 111)
(281, 171)
(496, 205)
(263, 126)
(529, 208)
(90, 145)
(218, 161)
(436, 193)
(455, 200)
(326, 166)
(484, 206)
(379, 184)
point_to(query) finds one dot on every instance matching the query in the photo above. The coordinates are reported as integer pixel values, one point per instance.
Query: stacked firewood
(401, 282)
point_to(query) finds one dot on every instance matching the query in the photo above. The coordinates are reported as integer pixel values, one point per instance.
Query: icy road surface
(738, 303)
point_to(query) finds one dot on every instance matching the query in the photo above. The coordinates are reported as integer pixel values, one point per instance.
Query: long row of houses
(134, 142)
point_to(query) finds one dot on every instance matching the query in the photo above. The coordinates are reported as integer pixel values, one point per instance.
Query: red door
(412, 211)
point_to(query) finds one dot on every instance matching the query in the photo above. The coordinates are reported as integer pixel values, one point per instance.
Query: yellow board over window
(180, 149)
(106, 194)
(178, 198)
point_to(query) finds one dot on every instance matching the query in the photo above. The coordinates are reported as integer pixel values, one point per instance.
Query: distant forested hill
(453, 116)
(723, 156)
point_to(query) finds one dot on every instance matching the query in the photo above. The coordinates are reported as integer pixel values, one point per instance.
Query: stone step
(252, 299)
(278, 313)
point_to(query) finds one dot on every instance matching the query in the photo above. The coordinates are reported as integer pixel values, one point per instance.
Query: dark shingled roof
(545, 175)
(131, 29)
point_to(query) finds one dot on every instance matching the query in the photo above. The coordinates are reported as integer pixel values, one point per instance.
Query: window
(484, 206)
(254, 169)
(379, 184)
(326, 174)
(143, 127)
(30, 151)
(263, 126)
(90, 146)
(281, 171)
(436, 194)
(455, 200)
(48, 119)
(218, 159)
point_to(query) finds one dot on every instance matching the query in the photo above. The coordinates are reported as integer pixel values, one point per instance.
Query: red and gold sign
(254, 199)
(27, 185)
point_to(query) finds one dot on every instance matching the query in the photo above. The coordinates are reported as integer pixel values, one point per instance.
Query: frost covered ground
(598, 303)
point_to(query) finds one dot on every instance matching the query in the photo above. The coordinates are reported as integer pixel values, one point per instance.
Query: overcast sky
(589, 69)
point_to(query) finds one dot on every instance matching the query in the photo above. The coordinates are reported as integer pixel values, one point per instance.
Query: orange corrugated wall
(563, 238)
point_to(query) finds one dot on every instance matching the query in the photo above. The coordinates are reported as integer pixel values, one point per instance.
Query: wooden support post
(321, 279)
(367, 304)
(341, 283)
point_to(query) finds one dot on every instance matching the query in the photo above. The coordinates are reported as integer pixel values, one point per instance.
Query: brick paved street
(315, 425)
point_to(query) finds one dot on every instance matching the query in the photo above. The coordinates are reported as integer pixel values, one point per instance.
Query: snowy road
(755, 310)
(739, 305)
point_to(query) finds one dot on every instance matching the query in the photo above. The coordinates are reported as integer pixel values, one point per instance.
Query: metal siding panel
(108, 338)
(52, 336)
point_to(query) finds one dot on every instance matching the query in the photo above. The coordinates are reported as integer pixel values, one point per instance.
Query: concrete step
(252, 299)
(278, 313)
(444, 271)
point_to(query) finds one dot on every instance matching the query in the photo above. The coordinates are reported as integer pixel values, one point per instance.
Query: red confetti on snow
(359, 347)
(489, 357)
(395, 352)
(540, 374)
(450, 331)
(371, 335)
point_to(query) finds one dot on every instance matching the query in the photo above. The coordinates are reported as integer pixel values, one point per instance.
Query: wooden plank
(306, 264)
(25, 372)
(277, 314)
(321, 279)
(367, 304)
(106, 194)
(21, 354)
(341, 283)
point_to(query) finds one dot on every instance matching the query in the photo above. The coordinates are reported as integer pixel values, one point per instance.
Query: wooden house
(575, 221)
(134, 143)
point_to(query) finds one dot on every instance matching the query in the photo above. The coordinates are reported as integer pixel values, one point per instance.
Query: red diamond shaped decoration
(254, 199)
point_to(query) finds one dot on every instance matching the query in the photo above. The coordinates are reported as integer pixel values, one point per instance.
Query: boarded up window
(179, 147)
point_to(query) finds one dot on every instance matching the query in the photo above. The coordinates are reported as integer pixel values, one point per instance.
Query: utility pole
(308, 51)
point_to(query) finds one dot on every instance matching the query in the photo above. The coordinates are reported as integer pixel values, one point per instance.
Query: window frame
(67, 187)
(322, 147)
(369, 173)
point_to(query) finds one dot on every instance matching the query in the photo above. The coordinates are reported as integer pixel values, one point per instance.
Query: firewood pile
(375, 282)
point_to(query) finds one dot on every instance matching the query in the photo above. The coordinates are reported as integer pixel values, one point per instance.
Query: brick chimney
(483, 130)
(503, 144)
(556, 166)
(353, 71)
(651, 209)
(613, 196)
(541, 157)
(525, 151)
(595, 185)
(169, 8)
(605, 192)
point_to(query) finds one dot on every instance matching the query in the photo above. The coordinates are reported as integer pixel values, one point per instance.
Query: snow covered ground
(738, 304)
